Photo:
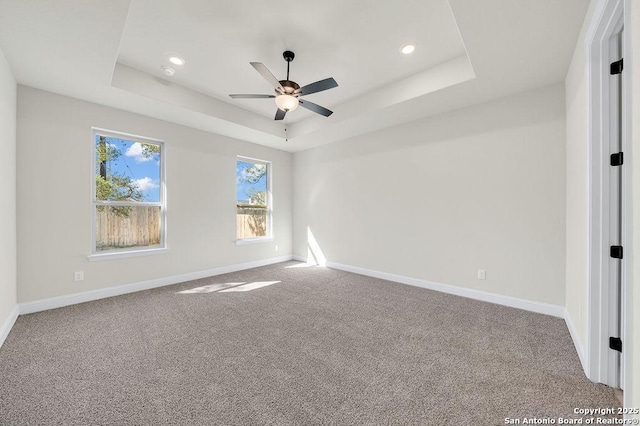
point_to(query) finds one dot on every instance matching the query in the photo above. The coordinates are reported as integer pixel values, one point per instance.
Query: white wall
(632, 66)
(441, 197)
(7, 193)
(577, 204)
(54, 198)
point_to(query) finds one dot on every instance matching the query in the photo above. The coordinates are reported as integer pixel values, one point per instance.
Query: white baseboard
(87, 296)
(514, 302)
(576, 342)
(8, 324)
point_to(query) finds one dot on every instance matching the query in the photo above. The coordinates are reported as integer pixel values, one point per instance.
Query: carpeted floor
(293, 345)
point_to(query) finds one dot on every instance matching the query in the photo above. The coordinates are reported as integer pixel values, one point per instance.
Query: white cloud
(145, 183)
(135, 151)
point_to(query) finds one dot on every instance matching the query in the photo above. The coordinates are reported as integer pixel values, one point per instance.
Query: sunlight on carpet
(229, 287)
(250, 286)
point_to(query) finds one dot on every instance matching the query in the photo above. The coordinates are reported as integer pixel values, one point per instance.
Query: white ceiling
(111, 52)
(219, 39)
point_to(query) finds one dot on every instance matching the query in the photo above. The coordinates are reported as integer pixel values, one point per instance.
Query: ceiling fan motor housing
(290, 87)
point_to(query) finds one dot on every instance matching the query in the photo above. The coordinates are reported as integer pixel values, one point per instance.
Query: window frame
(130, 251)
(269, 236)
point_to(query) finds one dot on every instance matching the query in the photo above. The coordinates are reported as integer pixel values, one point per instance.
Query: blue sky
(144, 171)
(243, 189)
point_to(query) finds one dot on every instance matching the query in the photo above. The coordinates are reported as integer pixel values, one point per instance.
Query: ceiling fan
(288, 92)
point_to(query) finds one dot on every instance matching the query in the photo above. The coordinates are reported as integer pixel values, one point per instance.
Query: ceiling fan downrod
(288, 56)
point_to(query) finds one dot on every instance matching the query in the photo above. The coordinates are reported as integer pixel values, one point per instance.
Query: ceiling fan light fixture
(286, 102)
(287, 91)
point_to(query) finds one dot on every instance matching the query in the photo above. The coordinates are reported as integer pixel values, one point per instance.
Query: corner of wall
(577, 341)
(576, 192)
(8, 247)
(7, 325)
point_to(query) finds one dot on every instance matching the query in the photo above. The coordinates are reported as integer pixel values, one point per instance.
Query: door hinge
(616, 252)
(616, 67)
(617, 159)
(615, 343)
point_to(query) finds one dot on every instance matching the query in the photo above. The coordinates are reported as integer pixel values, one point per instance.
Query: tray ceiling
(466, 52)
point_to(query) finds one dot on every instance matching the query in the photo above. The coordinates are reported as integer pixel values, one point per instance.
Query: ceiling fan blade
(264, 71)
(315, 108)
(319, 86)
(242, 96)
(280, 114)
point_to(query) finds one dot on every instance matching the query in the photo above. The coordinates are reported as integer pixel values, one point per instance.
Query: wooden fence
(251, 222)
(122, 227)
(139, 226)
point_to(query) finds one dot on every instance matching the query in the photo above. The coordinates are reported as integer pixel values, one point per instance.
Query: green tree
(255, 214)
(149, 150)
(258, 197)
(113, 186)
(254, 173)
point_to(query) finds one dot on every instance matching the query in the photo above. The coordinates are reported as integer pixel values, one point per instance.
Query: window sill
(243, 241)
(96, 257)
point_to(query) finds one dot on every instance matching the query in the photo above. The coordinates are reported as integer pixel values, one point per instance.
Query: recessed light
(176, 60)
(168, 71)
(407, 49)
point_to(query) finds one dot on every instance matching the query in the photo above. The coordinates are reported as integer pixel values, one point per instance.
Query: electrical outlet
(276, 247)
(482, 274)
(78, 276)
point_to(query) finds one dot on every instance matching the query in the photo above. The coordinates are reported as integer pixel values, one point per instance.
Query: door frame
(608, 21)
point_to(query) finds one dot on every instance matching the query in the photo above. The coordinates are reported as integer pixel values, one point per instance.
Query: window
(128, 195)
(253, 199)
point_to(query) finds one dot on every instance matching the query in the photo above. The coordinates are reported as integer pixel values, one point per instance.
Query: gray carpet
(318, 347)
